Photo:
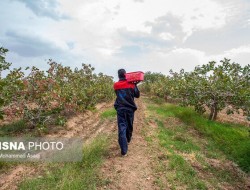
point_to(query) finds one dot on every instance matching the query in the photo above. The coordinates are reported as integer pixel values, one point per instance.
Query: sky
(137, 35)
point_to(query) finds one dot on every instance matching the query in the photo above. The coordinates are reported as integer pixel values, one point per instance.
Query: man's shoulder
(123, 84)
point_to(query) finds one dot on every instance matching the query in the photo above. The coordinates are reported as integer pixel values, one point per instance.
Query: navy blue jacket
(125, 94)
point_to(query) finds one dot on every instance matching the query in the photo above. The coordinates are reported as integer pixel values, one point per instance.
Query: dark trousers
(125, 120)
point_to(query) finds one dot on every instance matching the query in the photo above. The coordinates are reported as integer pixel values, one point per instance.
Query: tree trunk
(166, 98)
(215, 113)
(211, 113)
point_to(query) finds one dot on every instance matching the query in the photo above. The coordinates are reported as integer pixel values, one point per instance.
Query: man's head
(121, 73)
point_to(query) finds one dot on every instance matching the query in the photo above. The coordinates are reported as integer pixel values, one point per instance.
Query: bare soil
(87, 125)
(10, 179)
(237, 118)
(135, 170)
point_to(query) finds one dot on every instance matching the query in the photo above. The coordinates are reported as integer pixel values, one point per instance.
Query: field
(172, 148)
(191, 129)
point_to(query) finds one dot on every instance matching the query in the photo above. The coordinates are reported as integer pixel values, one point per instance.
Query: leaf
(1, 101)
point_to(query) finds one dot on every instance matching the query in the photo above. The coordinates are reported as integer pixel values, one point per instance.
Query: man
(125, 107)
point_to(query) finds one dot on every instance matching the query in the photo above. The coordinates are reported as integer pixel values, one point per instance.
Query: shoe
(125, 155)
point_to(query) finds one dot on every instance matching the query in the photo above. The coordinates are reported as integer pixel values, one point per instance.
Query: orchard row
(38, 94)
(213, 86)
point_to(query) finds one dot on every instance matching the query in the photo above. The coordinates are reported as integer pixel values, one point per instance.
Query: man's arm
(137, 92)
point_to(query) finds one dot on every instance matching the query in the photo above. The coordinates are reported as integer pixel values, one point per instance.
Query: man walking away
(125, 107)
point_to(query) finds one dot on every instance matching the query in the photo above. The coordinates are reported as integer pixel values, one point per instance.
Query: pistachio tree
(39, 93)
(214, 86)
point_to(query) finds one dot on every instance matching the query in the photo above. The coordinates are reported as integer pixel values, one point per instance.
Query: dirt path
(139, 169)
(87, 126)
(133, 171)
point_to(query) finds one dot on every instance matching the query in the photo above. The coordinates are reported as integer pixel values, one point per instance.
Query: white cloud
(240, 54)
(166, 36)
(103, 16)
(46, 8)
(241, 49)
(135, 34)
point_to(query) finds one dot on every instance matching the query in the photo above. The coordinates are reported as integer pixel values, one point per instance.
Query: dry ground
(87, 125)
(141, 169)
(134, 171)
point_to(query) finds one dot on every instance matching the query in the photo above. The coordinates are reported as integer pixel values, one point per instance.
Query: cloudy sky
(146, 35)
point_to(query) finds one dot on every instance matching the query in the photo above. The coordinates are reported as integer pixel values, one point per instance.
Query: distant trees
(156, 84)
(213, 86)
(3, 66)
(39, 94)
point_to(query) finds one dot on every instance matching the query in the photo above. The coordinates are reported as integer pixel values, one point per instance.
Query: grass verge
(233, 140)
(13, 129)
(189, 158)
(179, 173)
(81, 175)
(109, 113)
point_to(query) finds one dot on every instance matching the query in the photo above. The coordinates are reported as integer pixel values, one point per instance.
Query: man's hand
(136, 82)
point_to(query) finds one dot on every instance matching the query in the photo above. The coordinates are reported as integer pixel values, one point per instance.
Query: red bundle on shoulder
(135, 77)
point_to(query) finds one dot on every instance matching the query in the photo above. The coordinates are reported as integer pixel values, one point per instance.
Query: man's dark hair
(121, 73)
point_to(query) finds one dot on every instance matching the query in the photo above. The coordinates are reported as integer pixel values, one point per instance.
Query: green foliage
(59, 88)
(213, 86)
(3, 66)
(61, 121)
(216, 87)
(156, 84)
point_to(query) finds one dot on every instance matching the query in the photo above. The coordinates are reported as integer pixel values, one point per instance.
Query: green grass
(184, 173)
(170, 138)
(107, 114)
(157, 100)
(13, 129)
(10, 130)
(233, 140)
(5, 166)
(191, 158)
(81, 175)
(179, 171)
